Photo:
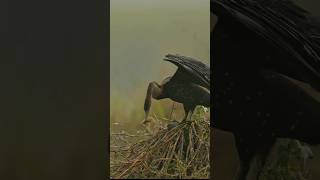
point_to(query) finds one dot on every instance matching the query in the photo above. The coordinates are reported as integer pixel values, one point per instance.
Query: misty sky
(144, 31)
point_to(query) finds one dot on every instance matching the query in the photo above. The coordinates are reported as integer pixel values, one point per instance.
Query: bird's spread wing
(282, 23)
(197, 72)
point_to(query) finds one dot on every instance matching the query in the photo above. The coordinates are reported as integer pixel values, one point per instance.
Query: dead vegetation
(178, 151)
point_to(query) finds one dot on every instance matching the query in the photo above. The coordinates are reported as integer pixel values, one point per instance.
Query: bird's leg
(186, 115)
(260, 158)
(191, 113)
(252, 156)
(187, 110)
(155, 91)
(245, 155)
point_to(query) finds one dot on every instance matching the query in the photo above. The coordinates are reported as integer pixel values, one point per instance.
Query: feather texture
(282, 23)
(198, 72)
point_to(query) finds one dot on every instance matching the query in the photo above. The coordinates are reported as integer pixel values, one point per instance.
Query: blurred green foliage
(285, 163)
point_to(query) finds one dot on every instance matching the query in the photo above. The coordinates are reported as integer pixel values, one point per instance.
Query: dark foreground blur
(225, 159)
(54, 90)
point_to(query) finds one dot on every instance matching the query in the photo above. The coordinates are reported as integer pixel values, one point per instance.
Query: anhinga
(190, 85)
(266, 69)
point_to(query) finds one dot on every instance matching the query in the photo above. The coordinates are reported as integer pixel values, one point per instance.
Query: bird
(190, 85)
(152, 126)
(266, 64)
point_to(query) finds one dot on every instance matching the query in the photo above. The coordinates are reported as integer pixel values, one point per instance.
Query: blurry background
(142, 33)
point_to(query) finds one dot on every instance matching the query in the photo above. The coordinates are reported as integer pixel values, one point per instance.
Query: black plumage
(282, 25)
(265, 55)
(190, 85)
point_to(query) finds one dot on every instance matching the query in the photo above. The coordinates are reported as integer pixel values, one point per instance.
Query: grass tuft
(181, 151)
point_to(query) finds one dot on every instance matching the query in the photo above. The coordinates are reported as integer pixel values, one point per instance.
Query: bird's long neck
(154, 90)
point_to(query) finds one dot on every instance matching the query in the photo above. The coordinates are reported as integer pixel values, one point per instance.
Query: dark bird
(190, 85)
(265, 55)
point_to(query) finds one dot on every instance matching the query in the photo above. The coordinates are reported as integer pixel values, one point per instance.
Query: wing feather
(197, 71)
(280, 22)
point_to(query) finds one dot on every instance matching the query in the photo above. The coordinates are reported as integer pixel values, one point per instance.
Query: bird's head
(148, 121)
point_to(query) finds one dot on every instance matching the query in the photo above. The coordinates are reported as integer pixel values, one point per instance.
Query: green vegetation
(285, 163)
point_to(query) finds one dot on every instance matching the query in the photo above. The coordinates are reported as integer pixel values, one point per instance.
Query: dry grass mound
(178, 151)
